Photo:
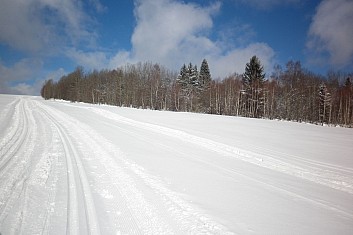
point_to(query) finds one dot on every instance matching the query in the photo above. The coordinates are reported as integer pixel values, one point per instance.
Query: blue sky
(45, 39)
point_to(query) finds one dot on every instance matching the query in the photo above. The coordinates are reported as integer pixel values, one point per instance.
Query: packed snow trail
(137, 214)
(72, 161)
(87, 169)
(334, 179)
(152, 225)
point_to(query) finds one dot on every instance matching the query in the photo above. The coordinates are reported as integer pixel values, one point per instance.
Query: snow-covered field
(80, 168)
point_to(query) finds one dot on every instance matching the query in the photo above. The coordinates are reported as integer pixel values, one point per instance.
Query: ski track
(230, 172)
(133, 204)
(9, 147)
(21, 174)
(16, 158)
(332, 176)
(75, 159)
(146, 219)
(12, 142)
(75, 183)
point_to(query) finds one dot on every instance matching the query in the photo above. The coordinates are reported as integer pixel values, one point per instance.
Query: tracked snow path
(146, 216)
(70, 168)
(95, 172)
(332, 176)
(18, 171)
(74, 164)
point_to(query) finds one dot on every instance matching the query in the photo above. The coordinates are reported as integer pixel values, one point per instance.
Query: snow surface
(78, 168)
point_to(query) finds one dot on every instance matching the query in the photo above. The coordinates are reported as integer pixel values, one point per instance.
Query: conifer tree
(193, 77)
(183, 77)
(205, 84)
(253, 81)
(188, 80)
(204, 76)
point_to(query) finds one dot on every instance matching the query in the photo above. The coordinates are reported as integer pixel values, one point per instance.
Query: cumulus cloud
(13, 78)
(331, 33)
(173, 32)
(169, 32)
(89, 60)
(26, 77)
(41, 29)
(22, 89)
(23, 70)
(164, 27)
(55, 75)
(35, 87)
(121, 58)
(20, 28)
(36, 26)
(235, 60)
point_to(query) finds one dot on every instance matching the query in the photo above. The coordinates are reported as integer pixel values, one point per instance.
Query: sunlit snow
(81, 168)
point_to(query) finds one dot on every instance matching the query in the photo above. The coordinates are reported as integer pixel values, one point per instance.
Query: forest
(291, 93)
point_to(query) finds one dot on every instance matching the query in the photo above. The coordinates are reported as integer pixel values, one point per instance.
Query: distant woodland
(291, 93)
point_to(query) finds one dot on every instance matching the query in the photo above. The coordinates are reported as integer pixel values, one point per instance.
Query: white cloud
(14, 79)
(169, 32)
(331, 32)
(42, 29)
(33, 87)
(172, 32)
(23, 89)
(20, 27)
(164, 27)
(55, 75)
(23, 70)
(121, 58)
(89, 60)
(36, 26)
(25, 77)
(236, 59)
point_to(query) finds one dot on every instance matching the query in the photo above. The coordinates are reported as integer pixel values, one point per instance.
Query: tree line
(291, 93)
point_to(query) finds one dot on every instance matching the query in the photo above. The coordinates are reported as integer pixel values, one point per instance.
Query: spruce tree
(193, 77)
(205, 76)
(188, 81)
(253, 81)
(183, 77)
(205, 83)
